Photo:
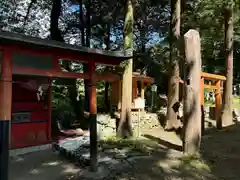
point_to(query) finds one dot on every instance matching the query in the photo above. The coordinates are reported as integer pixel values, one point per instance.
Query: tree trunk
(81, 22)
(173, 84)
(143, 29)
(28, 12)
(124, 128)
(107, 43)
(85, 66)
(56, 35)
(226, 116)
(143, 37)
(88, 23)
(192, 93)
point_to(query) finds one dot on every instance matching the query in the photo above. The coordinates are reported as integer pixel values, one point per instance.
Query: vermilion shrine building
(26, 64)
(117, 88)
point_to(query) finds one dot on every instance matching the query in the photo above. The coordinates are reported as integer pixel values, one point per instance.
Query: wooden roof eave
(143, 78)
(38, 43)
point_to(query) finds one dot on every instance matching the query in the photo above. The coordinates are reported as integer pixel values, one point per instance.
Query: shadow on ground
(220, 148)
(150, 158)
(44, 165)
(219, 158)
(161, 162)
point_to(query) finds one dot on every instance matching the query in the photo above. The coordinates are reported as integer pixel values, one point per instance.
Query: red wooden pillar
(92, 118)
(114, 93)
(5, 111)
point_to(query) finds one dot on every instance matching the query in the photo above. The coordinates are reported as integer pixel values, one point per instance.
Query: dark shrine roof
(33, 42)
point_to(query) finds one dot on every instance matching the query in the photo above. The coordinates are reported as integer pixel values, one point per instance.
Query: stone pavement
(111, 160)
(42, 165)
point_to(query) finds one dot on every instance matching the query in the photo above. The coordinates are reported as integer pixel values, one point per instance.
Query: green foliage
(150, 26)
(62, 104)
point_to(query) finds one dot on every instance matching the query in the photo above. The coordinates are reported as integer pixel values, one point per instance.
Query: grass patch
(194, 162)
(132, 144)
(235, 101)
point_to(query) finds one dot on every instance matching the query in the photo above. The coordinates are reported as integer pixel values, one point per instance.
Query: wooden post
(114, 94)
(134, 89)
(119, 103)
(218, 103)
(202, 105)
(142, 93)
(202, 91)
(142, 90)
(139, 111)
(192, 89)
(5, 111)
(92, 118)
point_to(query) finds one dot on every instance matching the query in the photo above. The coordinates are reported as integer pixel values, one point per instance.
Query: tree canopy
(151, 29)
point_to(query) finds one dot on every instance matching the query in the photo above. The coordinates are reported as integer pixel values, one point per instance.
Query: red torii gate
(214, 84)
(12, 44)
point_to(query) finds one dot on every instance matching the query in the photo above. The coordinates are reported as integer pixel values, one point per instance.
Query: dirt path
(219, 159)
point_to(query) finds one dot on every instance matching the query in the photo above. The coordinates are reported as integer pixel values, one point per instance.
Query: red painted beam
(109, 77)
(56, 64)
(49, 73)
(64, 54)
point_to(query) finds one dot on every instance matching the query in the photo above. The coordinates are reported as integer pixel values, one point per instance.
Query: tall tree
(107, 43)
(87, 44)
(227, 99)
(88, 23)
(81, 19)
(173, 85)
(125, 125)
(57, 35)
